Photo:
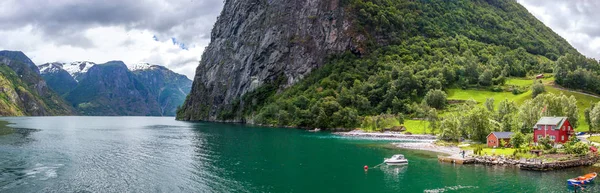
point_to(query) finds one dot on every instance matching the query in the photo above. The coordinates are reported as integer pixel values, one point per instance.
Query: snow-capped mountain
(141, 66)
(51, 67)
(114, 88)
(75, 69)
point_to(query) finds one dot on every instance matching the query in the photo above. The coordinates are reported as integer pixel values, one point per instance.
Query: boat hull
(579, 182)
(396, 162)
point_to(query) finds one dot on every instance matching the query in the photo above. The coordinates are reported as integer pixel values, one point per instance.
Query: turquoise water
(150, 154)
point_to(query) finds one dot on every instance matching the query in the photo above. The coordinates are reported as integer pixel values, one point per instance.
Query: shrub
(537, 88)
(436, 99)
(580, 148)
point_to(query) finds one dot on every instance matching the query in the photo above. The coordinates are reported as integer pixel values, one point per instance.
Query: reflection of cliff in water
(15, 136)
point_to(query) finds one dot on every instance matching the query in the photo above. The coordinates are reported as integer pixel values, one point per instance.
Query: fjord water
(151, 154)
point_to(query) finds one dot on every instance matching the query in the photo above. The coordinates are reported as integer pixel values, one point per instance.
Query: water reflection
(394, 173)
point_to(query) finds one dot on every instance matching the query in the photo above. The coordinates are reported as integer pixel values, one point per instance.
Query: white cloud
(109, 43)
(104, 30)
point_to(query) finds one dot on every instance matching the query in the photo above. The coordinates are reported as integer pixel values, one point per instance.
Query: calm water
(141, 154)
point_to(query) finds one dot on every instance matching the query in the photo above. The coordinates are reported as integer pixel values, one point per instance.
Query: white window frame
(552, 137)
(539, 137)
(562, 138)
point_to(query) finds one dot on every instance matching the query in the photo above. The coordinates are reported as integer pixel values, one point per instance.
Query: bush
(537, 88)
(546, 143)
(580, 148)
(517, 139)
(436, 99)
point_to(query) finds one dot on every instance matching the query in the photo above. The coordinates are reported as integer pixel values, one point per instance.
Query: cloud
(576, 21)
(165, 31)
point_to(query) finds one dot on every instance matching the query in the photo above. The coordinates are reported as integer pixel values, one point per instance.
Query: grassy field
(498, 151)
(417, 126)
(594, 139)
(482, 95)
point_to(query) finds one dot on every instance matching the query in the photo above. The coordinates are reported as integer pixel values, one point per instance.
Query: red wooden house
(494, 138)
(557, 128)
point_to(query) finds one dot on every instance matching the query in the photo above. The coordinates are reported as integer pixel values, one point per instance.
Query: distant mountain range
(87, 88)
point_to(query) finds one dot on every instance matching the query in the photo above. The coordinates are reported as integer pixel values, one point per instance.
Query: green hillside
(415, 46)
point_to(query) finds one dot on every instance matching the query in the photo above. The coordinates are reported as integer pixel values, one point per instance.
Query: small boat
(397, 159)
(582, 180)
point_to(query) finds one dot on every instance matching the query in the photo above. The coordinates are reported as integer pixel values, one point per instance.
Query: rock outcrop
(255, 43)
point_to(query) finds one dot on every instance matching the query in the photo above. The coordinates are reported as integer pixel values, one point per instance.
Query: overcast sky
(174, 33)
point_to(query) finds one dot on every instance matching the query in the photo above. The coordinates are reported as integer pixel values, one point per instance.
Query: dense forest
(578, 72)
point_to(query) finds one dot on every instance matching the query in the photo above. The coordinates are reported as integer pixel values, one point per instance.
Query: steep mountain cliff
(24, 92)
(255, 43)
(168, 87)
(326, 63)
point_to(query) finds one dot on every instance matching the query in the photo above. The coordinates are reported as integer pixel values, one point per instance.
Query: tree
(477, 123)
(489, 104)
(537, 88)
(432, 118)
(451, 128)
(595, 117)
(517, 139)
(485, 79)
(586, 114)
(436, 99)
(528, 138)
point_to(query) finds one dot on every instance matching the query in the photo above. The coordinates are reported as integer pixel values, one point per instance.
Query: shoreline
(431, 147)
(416, 142)
(387, 135)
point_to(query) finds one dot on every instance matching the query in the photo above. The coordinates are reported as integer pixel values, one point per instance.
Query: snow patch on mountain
(78, 68)
(141, 66)
(50, 68)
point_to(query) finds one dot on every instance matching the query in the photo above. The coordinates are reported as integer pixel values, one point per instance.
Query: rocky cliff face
(256, 43)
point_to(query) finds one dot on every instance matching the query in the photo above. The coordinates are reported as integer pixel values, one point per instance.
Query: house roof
(502, 135)
(551, 121)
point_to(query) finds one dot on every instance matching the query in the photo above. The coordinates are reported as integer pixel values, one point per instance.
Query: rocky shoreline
(530, 164)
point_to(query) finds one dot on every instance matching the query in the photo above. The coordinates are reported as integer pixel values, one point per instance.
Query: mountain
(111, 89)
(20, 57)
(24, 91)
(168, 87)
(329, 63)
(115, 89)
(57, 78)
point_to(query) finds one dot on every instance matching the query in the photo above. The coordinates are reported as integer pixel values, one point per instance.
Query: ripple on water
(450, 188)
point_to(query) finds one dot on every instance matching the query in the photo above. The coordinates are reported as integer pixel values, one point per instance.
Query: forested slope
(409, 48)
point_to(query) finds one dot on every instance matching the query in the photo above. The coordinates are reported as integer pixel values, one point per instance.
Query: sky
(174, 33)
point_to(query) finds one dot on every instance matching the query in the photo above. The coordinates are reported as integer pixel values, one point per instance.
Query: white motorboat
(397, 159)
